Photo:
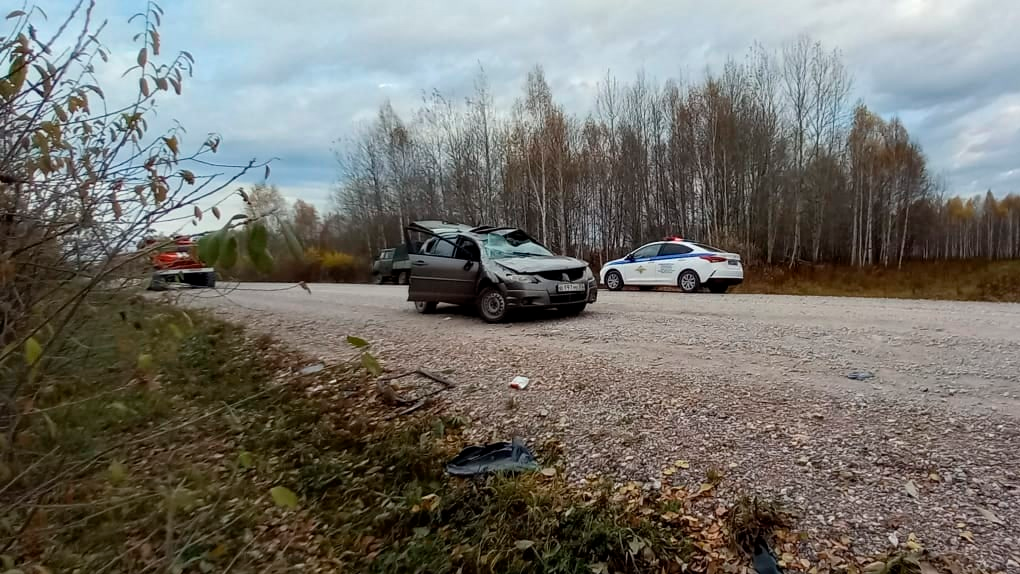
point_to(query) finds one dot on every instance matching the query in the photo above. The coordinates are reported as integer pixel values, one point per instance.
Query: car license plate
(569, 287)
(734, 262)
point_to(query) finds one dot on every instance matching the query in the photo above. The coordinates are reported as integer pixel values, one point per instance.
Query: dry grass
(970, 280)
(368, 495)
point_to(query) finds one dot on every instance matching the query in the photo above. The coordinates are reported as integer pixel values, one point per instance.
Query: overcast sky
(286, 78)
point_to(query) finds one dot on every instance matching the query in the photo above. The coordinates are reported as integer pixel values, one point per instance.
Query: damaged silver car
(496, 269)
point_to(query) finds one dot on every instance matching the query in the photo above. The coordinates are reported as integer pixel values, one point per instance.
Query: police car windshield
(512, 244)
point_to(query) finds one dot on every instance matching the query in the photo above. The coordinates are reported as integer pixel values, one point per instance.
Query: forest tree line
(769, 158)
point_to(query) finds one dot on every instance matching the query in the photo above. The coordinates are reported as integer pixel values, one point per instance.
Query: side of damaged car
(497, 269)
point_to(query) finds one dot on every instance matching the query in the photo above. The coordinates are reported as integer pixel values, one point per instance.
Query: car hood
(540, 264)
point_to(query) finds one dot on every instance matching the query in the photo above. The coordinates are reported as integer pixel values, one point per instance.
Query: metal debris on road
(519, 383)
(861, 375)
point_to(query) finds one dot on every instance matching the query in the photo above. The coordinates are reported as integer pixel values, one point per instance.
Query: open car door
(442, 270)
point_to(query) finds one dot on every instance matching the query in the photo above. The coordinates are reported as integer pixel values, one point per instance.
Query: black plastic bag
(505, 457)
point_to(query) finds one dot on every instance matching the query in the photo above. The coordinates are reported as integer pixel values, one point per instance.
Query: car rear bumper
(546, 296)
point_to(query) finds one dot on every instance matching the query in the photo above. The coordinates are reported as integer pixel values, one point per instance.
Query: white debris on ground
(753, 387)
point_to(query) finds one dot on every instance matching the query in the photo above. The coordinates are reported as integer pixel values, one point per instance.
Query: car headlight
(513, 278)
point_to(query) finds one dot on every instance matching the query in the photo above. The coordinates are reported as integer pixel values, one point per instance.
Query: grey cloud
(287, 78)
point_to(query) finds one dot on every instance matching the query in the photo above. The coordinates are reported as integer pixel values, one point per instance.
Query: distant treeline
(769, 158)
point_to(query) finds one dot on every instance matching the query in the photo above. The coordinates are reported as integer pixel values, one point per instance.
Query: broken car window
(512, 244)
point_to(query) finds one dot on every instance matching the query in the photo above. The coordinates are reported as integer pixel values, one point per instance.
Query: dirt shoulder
(752, 386)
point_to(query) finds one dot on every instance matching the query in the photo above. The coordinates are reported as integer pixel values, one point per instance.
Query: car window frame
(458, 252)
(675, 245)
(634, 254)
(461, 240)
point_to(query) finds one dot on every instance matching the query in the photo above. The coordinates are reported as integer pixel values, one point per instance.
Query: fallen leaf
(682, 464)
(429, 501)
(705, 487)
(118, 472)
(913, 543)
(549, 471)
(934, 477)
(911, 488)
(523, 544)
(245, 460)
(968, 536)
(356, 342)
(668, 472)
(283, 496)
(599, 568)
(636, 544)
(990, 516)
(894, 540)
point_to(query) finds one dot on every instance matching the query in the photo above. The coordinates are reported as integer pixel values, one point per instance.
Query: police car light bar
(673, 238)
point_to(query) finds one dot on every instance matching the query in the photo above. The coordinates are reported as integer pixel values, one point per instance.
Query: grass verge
(968, 280)
(158, 440)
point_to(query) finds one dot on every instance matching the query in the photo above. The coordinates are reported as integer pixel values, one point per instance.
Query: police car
(675, 262)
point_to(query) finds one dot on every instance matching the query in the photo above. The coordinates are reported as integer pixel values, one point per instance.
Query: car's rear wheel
(402, 278)
(614, 281)
(377, 278)
(571, 310)
(492, 305)
(688, 281)
(717, 288)
(425, 307)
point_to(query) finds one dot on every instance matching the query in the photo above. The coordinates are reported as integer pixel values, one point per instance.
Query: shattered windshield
(512, 244)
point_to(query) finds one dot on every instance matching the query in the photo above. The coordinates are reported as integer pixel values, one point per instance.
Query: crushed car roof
(440, 227)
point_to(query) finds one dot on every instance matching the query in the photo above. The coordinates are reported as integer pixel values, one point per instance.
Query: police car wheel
(614, 281)
(688, 281)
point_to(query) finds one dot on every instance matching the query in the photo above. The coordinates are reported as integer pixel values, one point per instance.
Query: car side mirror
(629, 257)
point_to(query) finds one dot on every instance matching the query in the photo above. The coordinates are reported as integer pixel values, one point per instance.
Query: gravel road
(753, 385)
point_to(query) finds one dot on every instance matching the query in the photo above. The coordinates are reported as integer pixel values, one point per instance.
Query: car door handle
(420, 264)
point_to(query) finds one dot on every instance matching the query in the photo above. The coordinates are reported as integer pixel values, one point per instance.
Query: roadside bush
(340, 267)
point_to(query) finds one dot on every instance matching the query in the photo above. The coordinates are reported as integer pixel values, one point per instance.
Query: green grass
(969, 280)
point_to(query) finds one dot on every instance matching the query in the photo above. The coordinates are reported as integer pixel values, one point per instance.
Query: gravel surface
(752, 385)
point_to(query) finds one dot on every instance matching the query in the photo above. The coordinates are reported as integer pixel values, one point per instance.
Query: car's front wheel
(425, 307)
(402, 278)
(688, 281)
(492, 305)
(614, 281)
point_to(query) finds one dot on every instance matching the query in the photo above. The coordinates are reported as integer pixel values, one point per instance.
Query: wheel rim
(493, 304)
(612, 281)
(688, 282)
(420, 305)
